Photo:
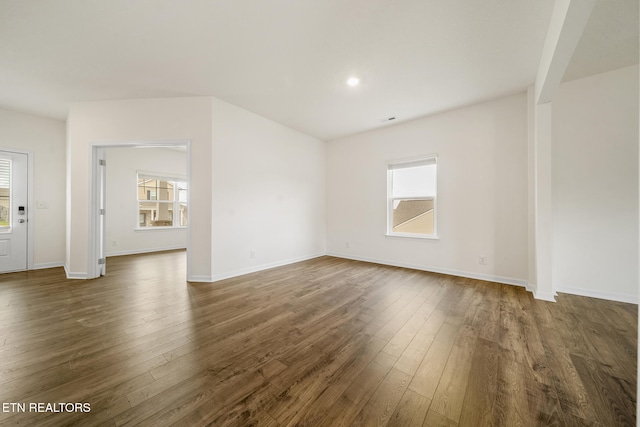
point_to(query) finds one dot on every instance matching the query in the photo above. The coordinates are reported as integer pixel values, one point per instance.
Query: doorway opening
(131, 180)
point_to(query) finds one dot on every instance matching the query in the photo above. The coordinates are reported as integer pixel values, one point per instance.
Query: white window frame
(399, 164)
(176, 200)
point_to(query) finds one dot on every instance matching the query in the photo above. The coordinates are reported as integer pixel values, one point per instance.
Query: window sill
(158, 228)
(413, 236)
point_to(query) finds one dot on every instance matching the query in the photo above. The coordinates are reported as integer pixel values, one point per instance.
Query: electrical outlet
(347, 244)
(482, 260)
(114, 243)
(252, 254)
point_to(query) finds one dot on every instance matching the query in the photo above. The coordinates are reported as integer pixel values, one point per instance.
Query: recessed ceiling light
(353, 81)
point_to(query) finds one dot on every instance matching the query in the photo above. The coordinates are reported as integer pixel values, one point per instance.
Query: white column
(544, 288)
(567, 24)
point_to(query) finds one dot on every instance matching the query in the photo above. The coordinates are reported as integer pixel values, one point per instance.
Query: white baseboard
(451, 272)
(44, 265)
(74, 275)
(200, 279)
(487, 277)
(144, 251)
(544, 296)
(612, 296)
(261, 267)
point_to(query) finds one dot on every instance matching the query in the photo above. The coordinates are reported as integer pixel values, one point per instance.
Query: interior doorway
(132, 180)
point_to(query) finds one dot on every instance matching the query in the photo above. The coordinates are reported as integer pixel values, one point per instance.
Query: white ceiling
(288, 60)
(609, 41)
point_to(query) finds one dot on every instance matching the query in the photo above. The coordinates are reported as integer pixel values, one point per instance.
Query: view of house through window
(5, 194)
(162, 202)
(412, 198)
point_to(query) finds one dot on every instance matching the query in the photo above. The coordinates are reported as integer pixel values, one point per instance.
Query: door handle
(21, 220)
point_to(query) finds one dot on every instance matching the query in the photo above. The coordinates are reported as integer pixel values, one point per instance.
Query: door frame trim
(30, 186)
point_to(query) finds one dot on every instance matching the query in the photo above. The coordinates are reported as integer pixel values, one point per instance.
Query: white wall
(268, 193)
(595, 182)
(45, 138)
(256, 186)
(123, 164)
(139, 120)
(482, 192)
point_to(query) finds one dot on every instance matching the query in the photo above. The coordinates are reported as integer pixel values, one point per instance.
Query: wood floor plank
(383, 402)
(198, 406)
(106, 404)
(449, 395)
(482, 386)
(510, 407)
(315, 411)
(242, 412)
(543, 403)
(433, 418)
(611, 397)
(463, 307)
(356, 396)
(305, 384)
(323, 342)
(410, 329)
(607, 347)
(411, 410)
(103, 390)
(572, 395)
(412, 356)
(427, 377)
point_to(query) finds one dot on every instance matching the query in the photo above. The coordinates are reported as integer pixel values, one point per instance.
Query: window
(412, 198)
(162, 202)
(5, 194)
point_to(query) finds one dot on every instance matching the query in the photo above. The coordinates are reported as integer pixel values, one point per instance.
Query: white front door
(14, 211)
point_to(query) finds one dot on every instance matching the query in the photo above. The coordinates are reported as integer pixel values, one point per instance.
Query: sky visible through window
(416, 181)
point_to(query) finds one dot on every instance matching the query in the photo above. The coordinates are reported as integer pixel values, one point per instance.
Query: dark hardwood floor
(326, 342)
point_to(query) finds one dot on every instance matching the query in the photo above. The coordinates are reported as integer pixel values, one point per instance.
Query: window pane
(154, 189)
(417, 181)
(159, 199)
(413, 216)
(166, 190)
(183, 215)
(5, 193)
(182, 191)
(155, 214)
